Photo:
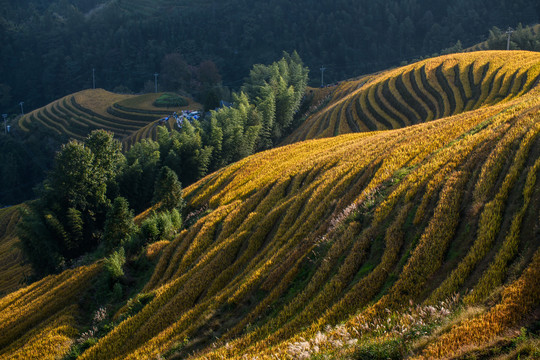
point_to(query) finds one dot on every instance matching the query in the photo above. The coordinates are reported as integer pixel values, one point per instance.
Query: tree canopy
(68, 219)
(50, 47)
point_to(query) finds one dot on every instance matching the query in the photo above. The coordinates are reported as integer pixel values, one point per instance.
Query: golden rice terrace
(130, 117)
(424, 91)
(419, 240)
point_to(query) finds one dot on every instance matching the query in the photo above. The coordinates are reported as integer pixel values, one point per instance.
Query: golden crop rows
(492, 131)
(77, 115)
(495, 274)
(250, 243)
(51, 339)
(424, 91)
(351, 227)
(43, 301)
(517, 300)
(490, 220)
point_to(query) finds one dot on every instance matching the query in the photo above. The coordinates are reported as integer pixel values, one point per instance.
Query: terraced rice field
(421, 92)
(328, 246)
(38, 321)
(343, 228)
(76, 115)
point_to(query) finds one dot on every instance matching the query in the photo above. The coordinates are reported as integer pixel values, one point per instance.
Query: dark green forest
(206, 48)
(49, 48)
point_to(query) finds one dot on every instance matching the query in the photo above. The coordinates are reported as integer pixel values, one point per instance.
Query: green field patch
(146, 102)
(170, 100)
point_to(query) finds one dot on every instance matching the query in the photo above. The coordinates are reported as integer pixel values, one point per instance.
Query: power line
(5, 123)
(509, 33)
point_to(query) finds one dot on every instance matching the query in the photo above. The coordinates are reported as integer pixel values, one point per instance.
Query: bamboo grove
(335, 244)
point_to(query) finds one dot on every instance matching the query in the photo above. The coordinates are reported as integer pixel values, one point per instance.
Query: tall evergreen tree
(137, 177)
(69, 217)
(168, 190)
(119, 225)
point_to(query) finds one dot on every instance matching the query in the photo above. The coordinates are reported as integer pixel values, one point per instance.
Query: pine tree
(69, 218)
(119, 225)
(168, 190)
(38, 243)
(138, 175)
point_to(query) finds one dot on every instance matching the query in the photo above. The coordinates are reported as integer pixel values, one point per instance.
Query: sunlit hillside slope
(421, 241)
(424, 91)
(76, 115)
(39, 321)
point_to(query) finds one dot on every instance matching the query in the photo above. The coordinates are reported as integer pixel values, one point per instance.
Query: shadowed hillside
(13, 272)
(421, 241)
(126, 40)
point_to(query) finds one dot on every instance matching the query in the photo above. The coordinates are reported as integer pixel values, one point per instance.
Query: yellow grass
(344, 230)
(495, 88)
(99, 100)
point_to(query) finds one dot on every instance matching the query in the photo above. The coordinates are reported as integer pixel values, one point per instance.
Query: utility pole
(5, 124)
(22, 110)
(322, 75)
(509, 33)
(155, 80)
(93, 78)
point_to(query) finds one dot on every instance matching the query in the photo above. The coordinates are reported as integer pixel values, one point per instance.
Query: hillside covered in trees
(50, 47)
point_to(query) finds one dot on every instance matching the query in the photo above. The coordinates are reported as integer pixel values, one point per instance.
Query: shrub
(170, 100)
(149, 230)
(389, 349)
(119, 225)
(160, 226)
(114, 264)
(164, 224)
(176, 219)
